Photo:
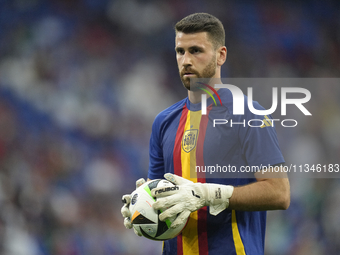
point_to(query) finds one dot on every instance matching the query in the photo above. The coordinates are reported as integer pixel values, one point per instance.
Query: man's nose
(187, 61)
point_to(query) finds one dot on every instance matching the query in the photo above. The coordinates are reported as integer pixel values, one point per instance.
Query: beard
(208, 72)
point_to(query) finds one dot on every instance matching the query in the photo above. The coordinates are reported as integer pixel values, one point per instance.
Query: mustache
(188, 70)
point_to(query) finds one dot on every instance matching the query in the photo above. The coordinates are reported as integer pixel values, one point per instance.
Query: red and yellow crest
(189, 139)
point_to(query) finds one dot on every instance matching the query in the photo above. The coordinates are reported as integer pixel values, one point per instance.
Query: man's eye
(180, 52)
(195, 51)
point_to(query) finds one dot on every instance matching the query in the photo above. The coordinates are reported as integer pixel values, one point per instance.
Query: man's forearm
(265, 194)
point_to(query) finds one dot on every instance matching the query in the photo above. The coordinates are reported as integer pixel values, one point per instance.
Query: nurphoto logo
(238, 104)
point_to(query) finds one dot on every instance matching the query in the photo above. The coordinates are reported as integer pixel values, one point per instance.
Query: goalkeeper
(226, 215)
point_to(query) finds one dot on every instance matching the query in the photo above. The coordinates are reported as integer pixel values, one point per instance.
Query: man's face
(196, 57)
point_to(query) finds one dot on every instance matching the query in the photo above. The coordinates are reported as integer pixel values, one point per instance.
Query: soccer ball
(145, 219)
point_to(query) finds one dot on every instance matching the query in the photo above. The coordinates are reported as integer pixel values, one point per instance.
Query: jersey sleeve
(156, 160)
(260, 145)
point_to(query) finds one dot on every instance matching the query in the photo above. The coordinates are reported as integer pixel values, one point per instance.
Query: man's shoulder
(168, 111)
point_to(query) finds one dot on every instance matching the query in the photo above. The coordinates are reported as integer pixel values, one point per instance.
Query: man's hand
(189, 198)
(125, 209)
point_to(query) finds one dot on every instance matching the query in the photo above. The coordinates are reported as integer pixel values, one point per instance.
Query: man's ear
(221, 55)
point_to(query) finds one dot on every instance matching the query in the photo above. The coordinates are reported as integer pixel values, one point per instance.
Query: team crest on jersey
(189, 139)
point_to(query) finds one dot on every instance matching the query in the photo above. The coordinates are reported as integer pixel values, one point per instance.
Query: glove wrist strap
(217, 197)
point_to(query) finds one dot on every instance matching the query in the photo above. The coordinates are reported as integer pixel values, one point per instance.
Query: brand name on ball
(134, 199)
(166, 189)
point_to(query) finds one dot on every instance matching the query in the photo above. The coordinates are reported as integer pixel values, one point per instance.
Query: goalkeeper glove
(189, 198)
(125, 209)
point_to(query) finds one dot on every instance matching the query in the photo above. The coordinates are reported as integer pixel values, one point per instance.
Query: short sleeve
(156, 160)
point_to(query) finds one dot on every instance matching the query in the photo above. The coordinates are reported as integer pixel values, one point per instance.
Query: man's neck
(195, 96)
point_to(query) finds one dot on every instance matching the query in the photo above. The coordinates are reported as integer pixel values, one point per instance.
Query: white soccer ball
(145, 219)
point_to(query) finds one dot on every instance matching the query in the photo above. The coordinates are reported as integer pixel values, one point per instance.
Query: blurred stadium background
(80, 84)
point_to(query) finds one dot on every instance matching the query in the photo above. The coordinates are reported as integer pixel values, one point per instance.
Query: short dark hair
(203, 22)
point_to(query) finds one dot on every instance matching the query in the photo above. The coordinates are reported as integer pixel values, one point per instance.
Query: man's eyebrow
(196, 47)
(190, 48)
(178, 48)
